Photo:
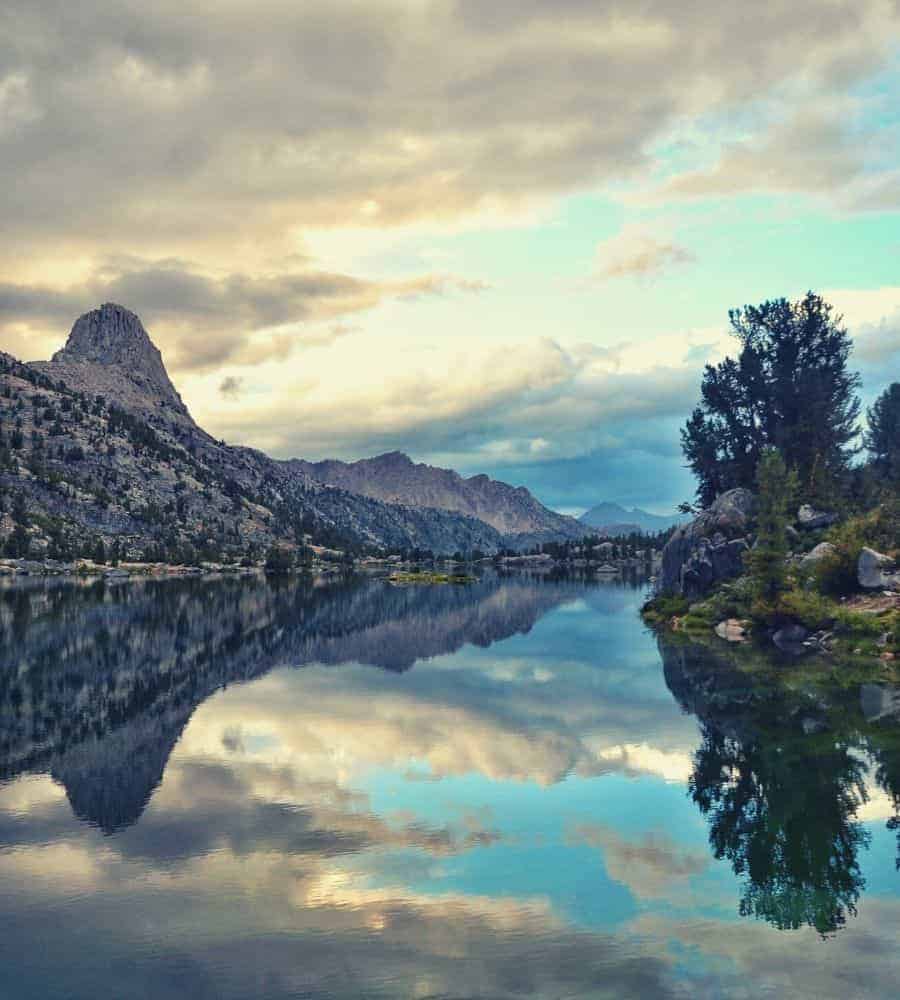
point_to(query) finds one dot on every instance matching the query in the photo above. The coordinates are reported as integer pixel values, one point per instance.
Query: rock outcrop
(709, 549)
(812, 559)
(109, 353)
(876, 571)
(810, 519)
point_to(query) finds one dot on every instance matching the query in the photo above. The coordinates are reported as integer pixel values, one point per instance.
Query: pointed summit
(113, 335)
(109, 352)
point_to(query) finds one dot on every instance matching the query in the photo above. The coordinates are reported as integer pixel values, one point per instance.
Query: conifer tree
(789, 388)
(777, 488)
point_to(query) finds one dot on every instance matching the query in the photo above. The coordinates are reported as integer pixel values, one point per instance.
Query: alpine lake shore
(837, 616)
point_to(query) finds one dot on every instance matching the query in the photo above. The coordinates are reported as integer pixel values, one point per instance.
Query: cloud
(230, 386)
(814, 151)
(651, 866)
(635, 252)
(185, 160)
(202, 322)
(500, 400)
(227, 130)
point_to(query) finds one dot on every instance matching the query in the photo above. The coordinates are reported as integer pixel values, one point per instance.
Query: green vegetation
(883, 436)
(279, 559)
(789, 389)
(766, 560)
(781, 419)
(429, 577)
(827, 599)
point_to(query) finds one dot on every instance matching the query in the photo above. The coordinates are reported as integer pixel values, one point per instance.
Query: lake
(241, 788)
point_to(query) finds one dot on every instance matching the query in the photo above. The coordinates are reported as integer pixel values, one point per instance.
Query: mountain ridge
(97, 449)
(395, 478)
(615, 518)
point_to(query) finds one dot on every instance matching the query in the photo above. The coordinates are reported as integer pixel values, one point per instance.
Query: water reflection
(484, 791)
(781, 776)
(97, 682)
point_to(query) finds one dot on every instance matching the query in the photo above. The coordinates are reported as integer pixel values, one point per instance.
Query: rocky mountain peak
(113, 335)
(108, 346)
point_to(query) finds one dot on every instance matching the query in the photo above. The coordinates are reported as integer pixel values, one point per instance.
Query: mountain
(98, 448)
(110, 353)
(396, 479)
(617, 520)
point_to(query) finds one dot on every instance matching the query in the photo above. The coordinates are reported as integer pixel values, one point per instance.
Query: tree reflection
(783, 814)
(884, 748)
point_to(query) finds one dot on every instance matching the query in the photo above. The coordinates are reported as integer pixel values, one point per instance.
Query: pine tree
(883, 436)
(766, 560)
(789, 389)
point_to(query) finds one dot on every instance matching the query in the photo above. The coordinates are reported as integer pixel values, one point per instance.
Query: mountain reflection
(494, 795)
(97, 682)
(780, 774)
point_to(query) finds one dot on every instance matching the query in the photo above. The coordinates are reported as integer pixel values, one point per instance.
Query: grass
(429, 578)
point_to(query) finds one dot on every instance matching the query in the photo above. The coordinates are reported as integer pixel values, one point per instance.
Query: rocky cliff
(109, 353)
(396, 479)
(709, 549)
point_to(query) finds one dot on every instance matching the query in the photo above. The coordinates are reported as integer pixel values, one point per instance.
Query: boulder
(820, 552)
(808, 518)
(879, 701)
(732, 630)
(876, 571)
(790, 633)
(790, 639)
(710, 548)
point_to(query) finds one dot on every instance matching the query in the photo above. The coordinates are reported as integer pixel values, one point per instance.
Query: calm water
(236, 789)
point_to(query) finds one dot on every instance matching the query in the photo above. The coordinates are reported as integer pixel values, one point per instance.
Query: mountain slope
(395, 478)
(97, 447)
(613, 516)
(98, 450)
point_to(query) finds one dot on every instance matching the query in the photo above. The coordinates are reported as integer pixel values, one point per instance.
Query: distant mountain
(618, 520)
(97, 446)
(395, 478)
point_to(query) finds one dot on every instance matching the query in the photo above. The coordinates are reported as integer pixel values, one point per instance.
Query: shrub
(279, 559)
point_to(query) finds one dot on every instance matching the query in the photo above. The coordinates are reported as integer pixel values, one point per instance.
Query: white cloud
(635, 252)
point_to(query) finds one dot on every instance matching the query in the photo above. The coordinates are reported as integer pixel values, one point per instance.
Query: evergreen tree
(789, 389)
(766, 560)
(883, 436)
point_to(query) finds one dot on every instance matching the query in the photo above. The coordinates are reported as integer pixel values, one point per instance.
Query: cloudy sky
(500, 236)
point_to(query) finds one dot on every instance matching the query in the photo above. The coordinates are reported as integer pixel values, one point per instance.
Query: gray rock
(790, 633)
(790, 639)
(876, 571)
(878, 701)
(820, 552)
(732, 630)
(809, 725)
(808, 518)
(709, 549)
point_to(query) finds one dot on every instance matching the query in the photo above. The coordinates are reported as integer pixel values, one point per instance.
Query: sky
(502, 237)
